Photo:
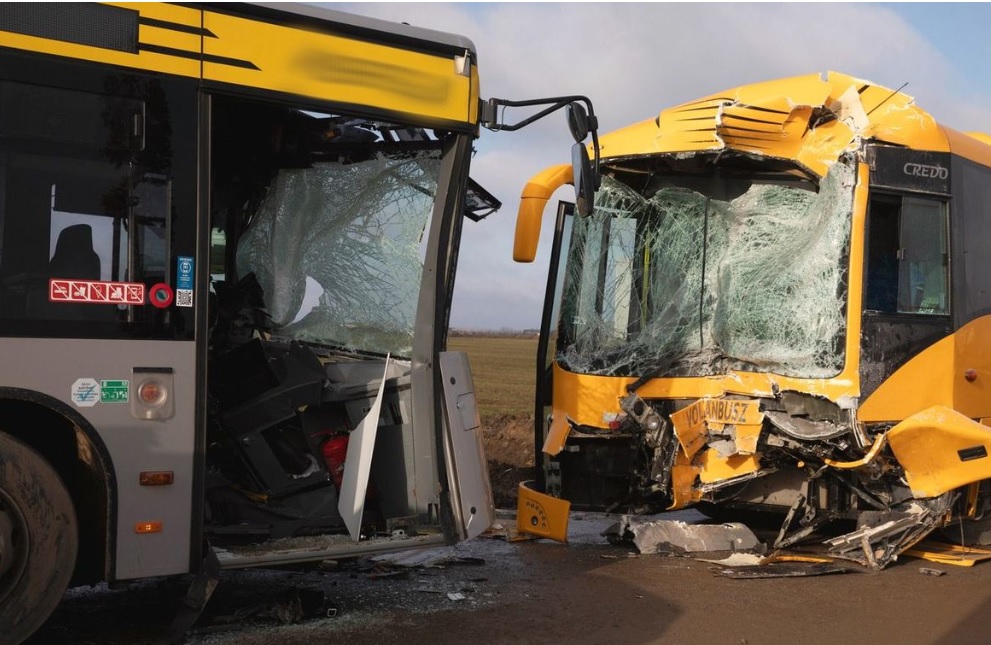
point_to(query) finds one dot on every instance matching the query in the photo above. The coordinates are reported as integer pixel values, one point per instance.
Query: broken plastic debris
(424, 559)
(785, 570)
(736, 560)
(675, 537)
(881, 536)
(942, 553)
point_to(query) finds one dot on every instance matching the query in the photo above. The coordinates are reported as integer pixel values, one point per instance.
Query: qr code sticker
(184, 298)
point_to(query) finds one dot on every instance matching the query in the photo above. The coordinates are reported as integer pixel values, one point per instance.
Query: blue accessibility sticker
(184, 272)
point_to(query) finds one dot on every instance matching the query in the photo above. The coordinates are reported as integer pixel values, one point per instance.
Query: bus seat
(74, 256)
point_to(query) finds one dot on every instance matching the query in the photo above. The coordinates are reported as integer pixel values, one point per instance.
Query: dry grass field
(503, 368)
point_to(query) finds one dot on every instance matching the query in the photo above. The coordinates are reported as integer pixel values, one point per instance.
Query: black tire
(38, 540)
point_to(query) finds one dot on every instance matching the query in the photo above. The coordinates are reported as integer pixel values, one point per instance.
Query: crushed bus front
(771, 309)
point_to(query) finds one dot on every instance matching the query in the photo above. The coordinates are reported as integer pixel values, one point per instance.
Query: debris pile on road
(738, 552)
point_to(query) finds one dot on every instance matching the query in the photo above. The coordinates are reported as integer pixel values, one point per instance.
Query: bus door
(548, 472)
(906, 299)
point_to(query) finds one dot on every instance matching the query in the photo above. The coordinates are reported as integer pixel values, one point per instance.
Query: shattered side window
(336, 250)
(765, 292)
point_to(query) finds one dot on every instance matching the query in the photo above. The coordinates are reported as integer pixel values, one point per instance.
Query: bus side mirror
(577, 121)
(584, 180)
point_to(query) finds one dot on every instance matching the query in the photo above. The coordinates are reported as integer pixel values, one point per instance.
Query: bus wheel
(38, 540)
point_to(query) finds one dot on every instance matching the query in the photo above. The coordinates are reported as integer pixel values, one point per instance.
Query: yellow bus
(778, 304)
(228, 243)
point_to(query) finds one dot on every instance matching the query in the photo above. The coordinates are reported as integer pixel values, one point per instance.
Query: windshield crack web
(770, 296)
(336, 250)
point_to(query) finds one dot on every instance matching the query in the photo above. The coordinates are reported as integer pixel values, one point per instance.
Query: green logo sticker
(114, 391)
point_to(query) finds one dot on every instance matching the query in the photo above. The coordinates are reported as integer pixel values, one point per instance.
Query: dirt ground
(509, 448)
(490, 591)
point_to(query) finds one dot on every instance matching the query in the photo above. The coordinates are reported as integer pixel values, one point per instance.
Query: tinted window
(86, 208)
(907, 256)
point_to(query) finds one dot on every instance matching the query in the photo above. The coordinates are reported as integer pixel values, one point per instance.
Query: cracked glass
(336, 249)
(701, 274)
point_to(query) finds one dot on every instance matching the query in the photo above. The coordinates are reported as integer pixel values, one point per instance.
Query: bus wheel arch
(38, 539)
(67, 442)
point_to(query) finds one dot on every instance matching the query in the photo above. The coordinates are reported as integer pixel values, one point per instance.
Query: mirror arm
(490, 119)
(490, 111)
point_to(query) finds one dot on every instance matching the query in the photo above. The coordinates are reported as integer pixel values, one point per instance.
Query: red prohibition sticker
(161, 295)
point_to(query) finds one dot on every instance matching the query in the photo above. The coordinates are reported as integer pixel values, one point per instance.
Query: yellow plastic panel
(689, 428)
(953, 554)
(586, 398)
(713, 468)
(532, 202)
(334, 68)
(691, 423)
(896, 119)
(972, 351)
(936, 377)
(560, 429)
(747, 436)
(541, 515)
(941, 449)
(683, 476)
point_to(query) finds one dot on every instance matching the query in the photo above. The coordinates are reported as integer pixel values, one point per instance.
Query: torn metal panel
(361, 444)
(814, 119)
(679, 538)
(881, 536)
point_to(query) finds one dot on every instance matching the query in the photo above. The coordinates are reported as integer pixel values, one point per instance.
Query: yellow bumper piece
(541, 515)
(940, 450)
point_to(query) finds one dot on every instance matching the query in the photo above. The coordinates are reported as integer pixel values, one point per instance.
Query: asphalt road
(535, 592)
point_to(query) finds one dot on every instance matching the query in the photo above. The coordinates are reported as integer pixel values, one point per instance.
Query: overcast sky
(633, 60)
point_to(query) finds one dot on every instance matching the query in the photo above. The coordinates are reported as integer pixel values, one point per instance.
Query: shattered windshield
(696, 275)
(336, 249)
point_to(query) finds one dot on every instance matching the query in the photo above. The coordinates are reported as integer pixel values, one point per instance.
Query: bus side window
(907, 256)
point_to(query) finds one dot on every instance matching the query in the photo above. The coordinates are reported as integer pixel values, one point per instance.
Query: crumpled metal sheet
(680, 538)
(882, 536)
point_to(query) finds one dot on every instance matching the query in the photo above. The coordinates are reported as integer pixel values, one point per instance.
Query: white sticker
(85, 392)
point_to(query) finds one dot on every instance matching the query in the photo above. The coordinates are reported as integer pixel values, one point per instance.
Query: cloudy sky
(633, 60)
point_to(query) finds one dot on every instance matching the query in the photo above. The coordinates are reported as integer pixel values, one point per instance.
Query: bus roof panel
(421, 76)
(331, 67)
(811, 120)
(381, 30)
